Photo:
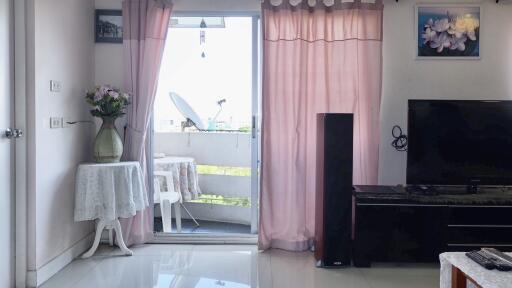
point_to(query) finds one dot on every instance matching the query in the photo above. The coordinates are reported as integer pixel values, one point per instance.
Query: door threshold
(200, 238)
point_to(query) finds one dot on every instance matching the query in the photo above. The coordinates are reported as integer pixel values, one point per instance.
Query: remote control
(500, 264)
(498, 253)
(480, 258)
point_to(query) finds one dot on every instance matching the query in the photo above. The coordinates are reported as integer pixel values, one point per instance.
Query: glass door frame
(224, 238)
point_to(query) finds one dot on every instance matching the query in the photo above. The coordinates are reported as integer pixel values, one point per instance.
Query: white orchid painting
(448, 31)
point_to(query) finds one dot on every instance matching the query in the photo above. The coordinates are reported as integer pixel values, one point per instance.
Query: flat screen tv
(459, 142)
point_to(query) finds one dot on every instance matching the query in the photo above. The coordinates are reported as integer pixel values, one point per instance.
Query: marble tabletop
(483, 277)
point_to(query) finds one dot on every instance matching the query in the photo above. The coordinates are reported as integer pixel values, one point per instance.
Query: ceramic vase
(108, 146)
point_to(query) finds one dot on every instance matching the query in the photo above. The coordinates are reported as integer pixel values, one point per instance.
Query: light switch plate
(55, 122)
(55, 86)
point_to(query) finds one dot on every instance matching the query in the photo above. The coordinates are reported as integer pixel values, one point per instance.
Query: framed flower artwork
(449, 31)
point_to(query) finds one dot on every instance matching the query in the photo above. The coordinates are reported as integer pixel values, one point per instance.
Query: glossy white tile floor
(228, 266)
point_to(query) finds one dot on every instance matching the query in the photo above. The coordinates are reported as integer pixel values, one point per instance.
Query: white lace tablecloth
(184, 174)
(483, 277)
(109, 191)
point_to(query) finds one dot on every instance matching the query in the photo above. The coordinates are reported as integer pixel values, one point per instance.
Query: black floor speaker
(333, 211)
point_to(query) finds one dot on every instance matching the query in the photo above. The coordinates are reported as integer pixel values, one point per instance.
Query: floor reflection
(228, 266)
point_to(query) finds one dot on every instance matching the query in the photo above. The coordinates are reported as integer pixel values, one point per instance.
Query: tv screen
(459, 142)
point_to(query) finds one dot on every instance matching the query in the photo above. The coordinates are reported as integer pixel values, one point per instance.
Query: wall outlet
(55, 86)
(55, 122)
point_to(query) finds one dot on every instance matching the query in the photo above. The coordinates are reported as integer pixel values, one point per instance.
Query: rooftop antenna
(220, 102)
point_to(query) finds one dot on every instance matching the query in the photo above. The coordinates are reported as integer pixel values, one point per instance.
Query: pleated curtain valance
(343, 20)
(332, 4)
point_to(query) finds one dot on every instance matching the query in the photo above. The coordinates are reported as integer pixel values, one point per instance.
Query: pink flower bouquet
(107, 101)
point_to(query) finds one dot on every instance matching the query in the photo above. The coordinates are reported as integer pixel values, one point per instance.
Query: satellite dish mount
(187, 124)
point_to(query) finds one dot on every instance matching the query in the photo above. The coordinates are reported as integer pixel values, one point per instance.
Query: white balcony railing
(224, 149)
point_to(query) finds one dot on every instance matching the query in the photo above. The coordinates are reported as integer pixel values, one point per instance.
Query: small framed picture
(108, 26)
(448, 31)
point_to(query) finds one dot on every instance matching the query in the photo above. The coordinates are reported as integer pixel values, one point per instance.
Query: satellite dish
(187, 112)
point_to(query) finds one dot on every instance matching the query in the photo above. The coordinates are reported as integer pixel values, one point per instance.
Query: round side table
(108, 192)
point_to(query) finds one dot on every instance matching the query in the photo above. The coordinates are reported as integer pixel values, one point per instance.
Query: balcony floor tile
(188, 226)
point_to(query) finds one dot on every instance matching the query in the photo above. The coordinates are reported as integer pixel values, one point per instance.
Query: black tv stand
(422, 189)
(473, 189)
(444, 190)
(394, 225)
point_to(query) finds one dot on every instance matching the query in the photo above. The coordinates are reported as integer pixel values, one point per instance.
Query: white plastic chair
(167, 198)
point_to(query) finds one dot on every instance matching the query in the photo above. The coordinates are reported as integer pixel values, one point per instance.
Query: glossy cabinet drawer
(479, 236)
(475, 215)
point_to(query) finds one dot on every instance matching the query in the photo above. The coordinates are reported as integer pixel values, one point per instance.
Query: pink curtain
(316, 59)
(145, 24)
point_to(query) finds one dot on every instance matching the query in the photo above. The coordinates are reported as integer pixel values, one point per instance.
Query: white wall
(406, 78)
(60, 47)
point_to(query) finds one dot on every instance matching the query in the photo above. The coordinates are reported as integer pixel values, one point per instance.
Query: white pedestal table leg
(99, 228)
(120, 240)
(102, 224)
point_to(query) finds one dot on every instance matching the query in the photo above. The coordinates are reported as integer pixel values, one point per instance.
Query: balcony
(223, 164)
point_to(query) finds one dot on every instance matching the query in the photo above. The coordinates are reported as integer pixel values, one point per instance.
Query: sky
(225, 73)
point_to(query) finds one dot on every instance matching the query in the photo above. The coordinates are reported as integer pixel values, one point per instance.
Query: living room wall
(59, 47)
(405, 78)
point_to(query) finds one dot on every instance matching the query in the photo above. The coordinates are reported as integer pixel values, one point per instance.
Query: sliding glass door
(206, 119)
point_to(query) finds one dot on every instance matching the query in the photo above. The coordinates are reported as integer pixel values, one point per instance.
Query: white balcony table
(457, 270)
(185, 177)
(107, 192)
